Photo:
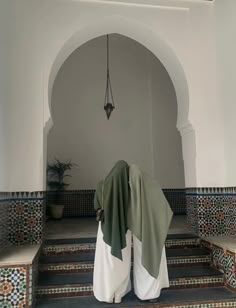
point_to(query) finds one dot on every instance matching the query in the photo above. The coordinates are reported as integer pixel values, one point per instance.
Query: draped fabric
(112, 195)
(149, 217)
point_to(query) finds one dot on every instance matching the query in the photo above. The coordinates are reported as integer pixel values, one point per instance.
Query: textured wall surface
(212, 211)
(79, 203)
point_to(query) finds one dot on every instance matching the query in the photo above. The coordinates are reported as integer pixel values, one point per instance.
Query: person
(130, 204)
(149, 217)
(111, 279)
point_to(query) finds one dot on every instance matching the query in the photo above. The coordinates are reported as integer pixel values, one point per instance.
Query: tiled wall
(22, 218)
(225, 261)
(26, 217)
(176, 199)
(79, 203)
(4, 206)
(212, 211)
(17, 285)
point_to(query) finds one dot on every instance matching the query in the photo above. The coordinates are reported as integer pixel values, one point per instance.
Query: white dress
(111, 278)
(145, 286)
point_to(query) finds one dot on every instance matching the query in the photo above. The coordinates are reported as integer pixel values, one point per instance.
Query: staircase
(66, 273)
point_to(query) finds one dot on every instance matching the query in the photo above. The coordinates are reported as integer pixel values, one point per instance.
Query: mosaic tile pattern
(230, 213)
(17, 285)
(212, 211)
(26, 217)
(225, 261)
(13, 290)
(4, 201)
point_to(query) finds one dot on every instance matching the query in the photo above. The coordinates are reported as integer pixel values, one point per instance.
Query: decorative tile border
(189, 261)
(225, 261)
(68, 249)
(180, 243)
(65, 291)
(196, 282)
(212, 211)
(80, 267)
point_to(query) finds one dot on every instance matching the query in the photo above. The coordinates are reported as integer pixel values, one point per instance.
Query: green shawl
(149, 217)
(112, 194)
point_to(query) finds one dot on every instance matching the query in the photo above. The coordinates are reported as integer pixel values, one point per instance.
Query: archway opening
(142, 129)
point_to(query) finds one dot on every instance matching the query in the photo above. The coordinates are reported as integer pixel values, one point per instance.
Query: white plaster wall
(143, 94)
(167, 145)
(4, 91)
(225, 19)
(180, 33)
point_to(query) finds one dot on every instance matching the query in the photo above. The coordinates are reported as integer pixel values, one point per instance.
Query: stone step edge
(195, 304)
(91, 246)
(83, 266)
(183, 283)
(75, 250)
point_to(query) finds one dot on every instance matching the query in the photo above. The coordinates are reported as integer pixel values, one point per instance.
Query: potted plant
(56, 174)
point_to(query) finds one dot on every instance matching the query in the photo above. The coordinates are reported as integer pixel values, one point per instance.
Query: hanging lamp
(109, 104)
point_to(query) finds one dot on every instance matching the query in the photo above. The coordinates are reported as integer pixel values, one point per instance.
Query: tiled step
(80, 284)
(83, 245)
(175, 257)
(218, 297)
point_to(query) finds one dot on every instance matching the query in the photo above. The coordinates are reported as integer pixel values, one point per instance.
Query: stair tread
(181, 236)
(50, 279)
(186, 252)
(70, 241)
(167, 297)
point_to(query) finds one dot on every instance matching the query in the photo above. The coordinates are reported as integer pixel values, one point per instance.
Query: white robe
(111, 280)
(145, 286)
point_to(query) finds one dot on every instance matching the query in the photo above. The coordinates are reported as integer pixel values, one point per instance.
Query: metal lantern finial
(109, 104)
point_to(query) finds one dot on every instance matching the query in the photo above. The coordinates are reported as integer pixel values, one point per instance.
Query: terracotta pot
(56, 211)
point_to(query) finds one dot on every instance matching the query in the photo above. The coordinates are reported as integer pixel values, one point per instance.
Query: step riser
(90, 248)
(82, 268)
(87, 290)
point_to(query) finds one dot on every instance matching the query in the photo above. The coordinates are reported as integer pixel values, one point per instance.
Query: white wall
(180, 33)
(225, 26)
(81, 131)
(4, 91)
(167, 145)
